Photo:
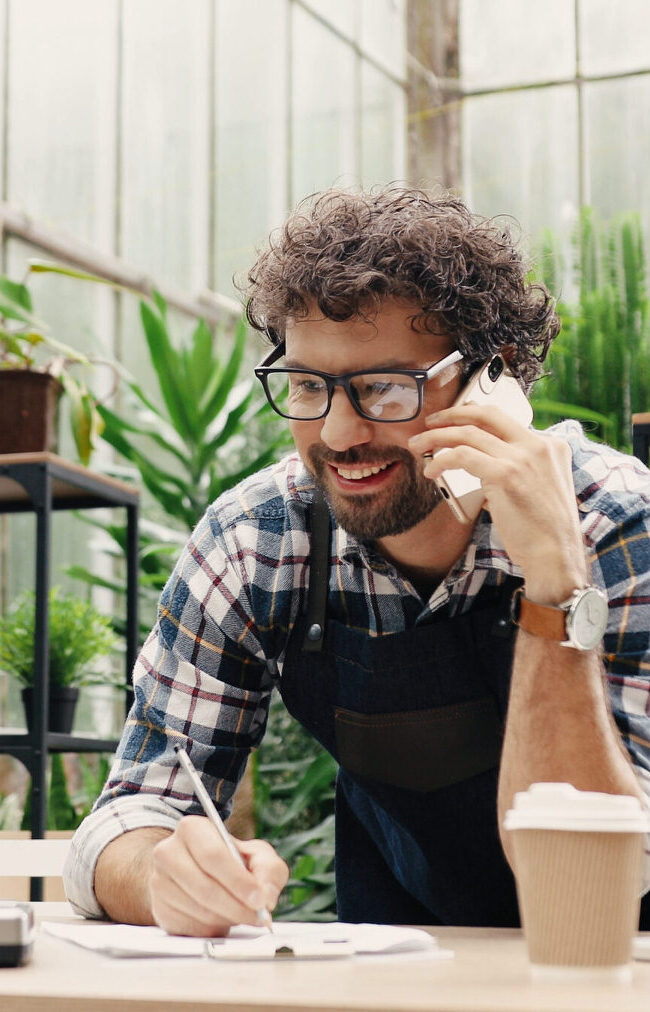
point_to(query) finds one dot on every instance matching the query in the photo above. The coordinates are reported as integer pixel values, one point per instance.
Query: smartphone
(492, 384)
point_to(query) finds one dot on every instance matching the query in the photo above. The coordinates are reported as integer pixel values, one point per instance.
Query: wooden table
(489, 972)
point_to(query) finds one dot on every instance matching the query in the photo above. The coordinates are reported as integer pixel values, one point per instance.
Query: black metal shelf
(55, 742)
(41, 483)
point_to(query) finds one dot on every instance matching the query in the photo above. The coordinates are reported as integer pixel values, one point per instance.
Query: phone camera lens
(495, 368)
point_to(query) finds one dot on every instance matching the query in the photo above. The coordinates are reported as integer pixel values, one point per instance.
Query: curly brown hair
(346, 252)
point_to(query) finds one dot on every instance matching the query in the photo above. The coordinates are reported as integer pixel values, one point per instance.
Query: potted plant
(78, 635)
(35, 369)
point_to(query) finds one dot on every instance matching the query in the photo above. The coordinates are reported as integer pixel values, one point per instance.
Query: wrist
(553, 581)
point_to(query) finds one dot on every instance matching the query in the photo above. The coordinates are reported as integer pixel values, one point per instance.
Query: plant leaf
(167, 364)
(18, 293)
(214, 401)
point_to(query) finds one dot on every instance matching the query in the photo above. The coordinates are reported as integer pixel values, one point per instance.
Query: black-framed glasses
(381, 395)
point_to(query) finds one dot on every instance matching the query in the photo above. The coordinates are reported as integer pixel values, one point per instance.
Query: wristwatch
(579, 622)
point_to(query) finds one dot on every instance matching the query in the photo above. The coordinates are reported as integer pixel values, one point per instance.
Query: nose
(342, 427)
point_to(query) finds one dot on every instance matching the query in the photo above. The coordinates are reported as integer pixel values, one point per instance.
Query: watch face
(587, 620)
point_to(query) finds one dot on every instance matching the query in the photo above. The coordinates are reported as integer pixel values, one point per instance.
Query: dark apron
(415, 720)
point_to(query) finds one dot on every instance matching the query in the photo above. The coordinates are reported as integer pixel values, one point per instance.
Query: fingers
(198, 888)
(487, 443)
(267, 868)
(526, 479)
(489, 430)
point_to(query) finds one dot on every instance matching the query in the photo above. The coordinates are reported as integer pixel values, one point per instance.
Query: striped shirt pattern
(206, 671)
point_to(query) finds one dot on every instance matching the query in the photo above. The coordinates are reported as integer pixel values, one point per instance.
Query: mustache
(357, 455)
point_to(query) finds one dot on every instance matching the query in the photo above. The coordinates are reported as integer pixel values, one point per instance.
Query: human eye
(387, 395)
(305, 386)
(380, 388)
(369, 388)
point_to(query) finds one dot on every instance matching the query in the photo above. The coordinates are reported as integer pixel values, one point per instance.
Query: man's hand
(197, 887)
(528, 488)
(186, 881)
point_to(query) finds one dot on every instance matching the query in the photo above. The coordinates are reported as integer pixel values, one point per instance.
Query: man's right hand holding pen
(196, 880)
(198, 888)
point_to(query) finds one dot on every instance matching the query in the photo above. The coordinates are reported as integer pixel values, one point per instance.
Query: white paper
(306, 940)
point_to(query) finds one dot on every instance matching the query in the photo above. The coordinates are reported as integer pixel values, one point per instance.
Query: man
(391, 638)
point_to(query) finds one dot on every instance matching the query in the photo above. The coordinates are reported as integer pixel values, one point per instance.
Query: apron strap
(318, 574)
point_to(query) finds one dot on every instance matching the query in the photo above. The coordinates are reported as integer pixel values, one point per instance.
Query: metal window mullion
(354, 43)
(583, 180)
(289, 100)
(213, 153)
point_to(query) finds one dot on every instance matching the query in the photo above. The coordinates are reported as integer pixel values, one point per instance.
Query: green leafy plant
(599, 366)
(65, 809)
(198, 433)
(209, 424)
(294, 780)
(78, 634)
(26, 342)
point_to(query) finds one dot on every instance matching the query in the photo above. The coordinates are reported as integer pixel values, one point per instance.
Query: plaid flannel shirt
(207, 669)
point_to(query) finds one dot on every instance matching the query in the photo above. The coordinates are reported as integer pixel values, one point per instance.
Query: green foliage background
(598, 369)
(78, 635)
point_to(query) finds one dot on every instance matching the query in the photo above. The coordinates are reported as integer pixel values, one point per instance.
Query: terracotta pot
(28, 411)
(61, 708)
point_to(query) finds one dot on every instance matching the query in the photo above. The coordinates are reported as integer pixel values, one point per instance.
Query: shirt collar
(485, 550)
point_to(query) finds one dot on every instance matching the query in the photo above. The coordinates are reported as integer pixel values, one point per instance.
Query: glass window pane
(614, 36)
(61, 117)
(323, 103)
(382, 128)
(520, 156)
(515, 41)
(165, 110)
(251, 130)
(383, 32)
(3, 109)
(343, 14)
(617, 172)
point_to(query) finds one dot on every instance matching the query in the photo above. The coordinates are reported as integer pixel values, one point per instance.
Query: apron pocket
(421, 750)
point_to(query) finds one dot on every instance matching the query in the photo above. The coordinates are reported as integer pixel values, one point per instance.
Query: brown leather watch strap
(539, 619)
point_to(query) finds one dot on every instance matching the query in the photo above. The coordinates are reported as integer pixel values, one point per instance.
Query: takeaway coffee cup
(578, 860)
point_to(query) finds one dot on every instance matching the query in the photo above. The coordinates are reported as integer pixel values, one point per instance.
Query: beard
(371, 516)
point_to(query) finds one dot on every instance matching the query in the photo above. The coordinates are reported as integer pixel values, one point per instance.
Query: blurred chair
(641, 436)
(22, 858)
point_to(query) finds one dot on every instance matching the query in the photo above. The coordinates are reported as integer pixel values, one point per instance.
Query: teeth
(354, 474)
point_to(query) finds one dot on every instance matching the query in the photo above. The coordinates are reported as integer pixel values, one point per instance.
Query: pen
(213, 815)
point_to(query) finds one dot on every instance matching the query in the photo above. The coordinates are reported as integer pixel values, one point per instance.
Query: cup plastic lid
(562, 806)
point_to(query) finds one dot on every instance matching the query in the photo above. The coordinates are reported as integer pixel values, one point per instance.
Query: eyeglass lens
(377, 395)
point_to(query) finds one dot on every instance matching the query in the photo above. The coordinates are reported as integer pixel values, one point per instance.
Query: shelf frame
(42, 483)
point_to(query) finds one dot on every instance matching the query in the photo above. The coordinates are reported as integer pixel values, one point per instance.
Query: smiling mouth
(356, 473)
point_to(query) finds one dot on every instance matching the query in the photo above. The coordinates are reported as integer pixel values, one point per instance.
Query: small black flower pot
(61, 708)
